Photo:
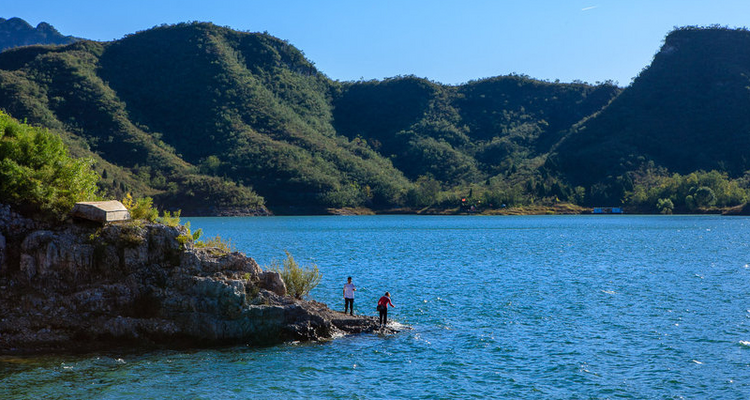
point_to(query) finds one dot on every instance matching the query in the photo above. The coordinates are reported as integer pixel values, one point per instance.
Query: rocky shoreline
(81, 286)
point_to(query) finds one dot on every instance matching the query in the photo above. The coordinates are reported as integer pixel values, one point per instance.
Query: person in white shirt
(349, 296)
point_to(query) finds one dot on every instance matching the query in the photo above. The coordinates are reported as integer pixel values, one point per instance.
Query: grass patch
(223, 245)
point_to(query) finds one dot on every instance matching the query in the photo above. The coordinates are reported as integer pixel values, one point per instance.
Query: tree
(424, 193)
(210, 165)
(36, 172)
(665, 206)
(704, 197)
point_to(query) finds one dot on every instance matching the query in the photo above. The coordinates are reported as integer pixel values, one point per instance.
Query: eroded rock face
(87, 287)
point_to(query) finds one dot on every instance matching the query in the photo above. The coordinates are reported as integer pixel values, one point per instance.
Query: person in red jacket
(383, 308)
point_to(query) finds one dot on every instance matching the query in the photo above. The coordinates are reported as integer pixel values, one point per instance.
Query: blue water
(533, 307)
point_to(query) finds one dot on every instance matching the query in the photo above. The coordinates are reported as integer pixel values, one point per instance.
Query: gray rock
(271, 281)
(85, 287)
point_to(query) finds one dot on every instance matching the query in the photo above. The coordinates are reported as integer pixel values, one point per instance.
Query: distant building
(101, 211)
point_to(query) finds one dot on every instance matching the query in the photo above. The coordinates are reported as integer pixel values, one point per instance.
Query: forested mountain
(15, 32)
(194, 115)
(689, 110)
(208, 119)
(466, 133)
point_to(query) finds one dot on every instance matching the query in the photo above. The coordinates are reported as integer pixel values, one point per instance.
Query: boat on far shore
(607, 210)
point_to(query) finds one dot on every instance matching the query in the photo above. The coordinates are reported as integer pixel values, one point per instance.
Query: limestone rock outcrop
(87, 287)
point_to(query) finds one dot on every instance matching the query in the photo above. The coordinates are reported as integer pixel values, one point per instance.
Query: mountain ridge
(203, 117)
(15, 32)
(696, 85)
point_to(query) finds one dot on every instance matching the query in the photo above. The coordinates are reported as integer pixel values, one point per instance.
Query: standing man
(349, 296)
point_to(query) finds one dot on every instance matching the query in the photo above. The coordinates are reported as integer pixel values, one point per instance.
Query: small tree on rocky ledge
(299, 280)
(37, 174)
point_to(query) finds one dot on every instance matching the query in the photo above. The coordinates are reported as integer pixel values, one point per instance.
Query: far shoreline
(554, 209)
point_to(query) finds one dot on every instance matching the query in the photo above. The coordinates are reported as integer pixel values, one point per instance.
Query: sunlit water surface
(537, 307)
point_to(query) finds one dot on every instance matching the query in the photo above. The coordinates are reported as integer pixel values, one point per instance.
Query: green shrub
(170, 219)
(144, 209)
(183, 240)
(36, 172)
(197, 234)
(299, 280)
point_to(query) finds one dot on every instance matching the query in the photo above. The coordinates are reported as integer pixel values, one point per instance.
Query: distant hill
(689, 110)
(212, 121)
(15, 32)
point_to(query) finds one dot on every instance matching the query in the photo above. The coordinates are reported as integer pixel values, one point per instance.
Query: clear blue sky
(443, 40)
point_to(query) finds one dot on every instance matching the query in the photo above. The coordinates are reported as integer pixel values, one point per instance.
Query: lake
(528, 307)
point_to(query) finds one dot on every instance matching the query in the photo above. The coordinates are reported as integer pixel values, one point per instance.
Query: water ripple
(517, 307)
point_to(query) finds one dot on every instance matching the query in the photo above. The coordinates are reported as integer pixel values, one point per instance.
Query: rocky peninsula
(79, 286)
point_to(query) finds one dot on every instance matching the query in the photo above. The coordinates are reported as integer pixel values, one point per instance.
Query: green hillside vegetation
(687, 111)
(59, 88)
(211, 121)
(464, 134)
(250, 108)
(654, 190)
